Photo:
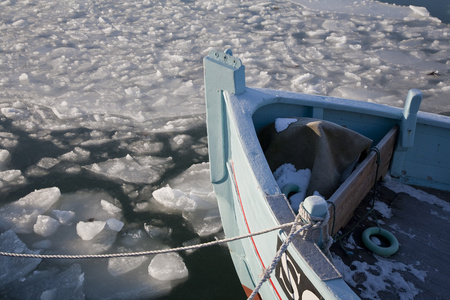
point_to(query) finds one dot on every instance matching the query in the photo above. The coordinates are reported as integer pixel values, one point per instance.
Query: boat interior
(419, 269)
(347, 196)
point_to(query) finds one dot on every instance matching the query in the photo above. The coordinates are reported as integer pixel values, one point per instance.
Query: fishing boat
(245, 151)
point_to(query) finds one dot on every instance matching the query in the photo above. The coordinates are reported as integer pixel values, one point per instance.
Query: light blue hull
(250, 199)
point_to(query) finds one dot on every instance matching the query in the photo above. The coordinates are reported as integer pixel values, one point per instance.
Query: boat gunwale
(330, 102)
(319, 101)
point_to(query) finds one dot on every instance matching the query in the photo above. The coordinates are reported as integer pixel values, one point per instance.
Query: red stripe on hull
(249, 231)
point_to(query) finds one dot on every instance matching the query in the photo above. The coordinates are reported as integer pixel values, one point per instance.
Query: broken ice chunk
(78, 154)
(110, 208)
(10, 178)
(168, 266)
(204, 222)
(132, 169)
(64, 216)
(45, 225)
(146, 147)
(22, 214)
(5, 158)
(47, 162)
(195, 178)
(10, 175)
(121, 265)
(23, 77)
(115, 224)
(88, 230)
(204, 199)
(12, 268)
(157, 232)
(192, 242)
(180, 141)
(174, 199)
(95, 236)
(86, 205)
(40, 199)
(51, 284)
(49, 294)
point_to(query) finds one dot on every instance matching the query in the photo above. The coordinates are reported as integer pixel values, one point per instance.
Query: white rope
(302, 217)
(312, 222)
(144, 253)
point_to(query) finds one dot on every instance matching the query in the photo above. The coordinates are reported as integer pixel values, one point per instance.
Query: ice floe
(169, 266)
(45, 225)
(88, 230)
(122, 265)
(132, 169)
(21, 215)
(13, 268)
(191, 195)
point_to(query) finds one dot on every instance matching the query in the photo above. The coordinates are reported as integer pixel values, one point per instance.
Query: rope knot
(316, 222)
(318, 231)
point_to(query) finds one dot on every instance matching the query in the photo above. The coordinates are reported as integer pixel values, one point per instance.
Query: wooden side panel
(350, 194)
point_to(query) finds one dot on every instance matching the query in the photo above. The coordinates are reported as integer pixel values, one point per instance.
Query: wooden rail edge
(350, 194)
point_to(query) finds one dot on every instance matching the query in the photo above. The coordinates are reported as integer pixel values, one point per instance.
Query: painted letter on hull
(294, 282)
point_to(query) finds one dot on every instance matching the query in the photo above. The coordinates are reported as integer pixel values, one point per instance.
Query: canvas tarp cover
(329, 150)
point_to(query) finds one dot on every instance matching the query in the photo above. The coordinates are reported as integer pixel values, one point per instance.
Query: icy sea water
(437, 8)
(210, 270)
(102, 136)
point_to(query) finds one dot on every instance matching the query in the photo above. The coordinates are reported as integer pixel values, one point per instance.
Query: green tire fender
(383, 251)
(290, 188)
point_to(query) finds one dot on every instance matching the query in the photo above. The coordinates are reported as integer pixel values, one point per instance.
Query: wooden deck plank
(410, 214)
(422, 230)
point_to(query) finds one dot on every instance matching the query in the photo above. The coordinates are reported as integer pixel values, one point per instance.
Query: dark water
(211, 271)
(437, 8)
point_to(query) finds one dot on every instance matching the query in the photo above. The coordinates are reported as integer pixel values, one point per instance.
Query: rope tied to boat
(315, 232)
(304, 222)
(308, 218)
(144, 253)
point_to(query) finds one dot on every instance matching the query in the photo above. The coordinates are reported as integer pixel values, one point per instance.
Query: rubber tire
(383, 251)
(290, 188)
